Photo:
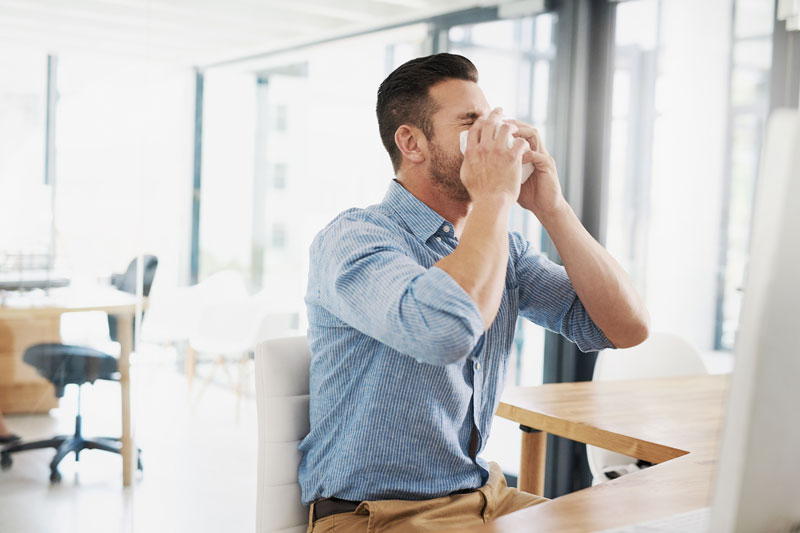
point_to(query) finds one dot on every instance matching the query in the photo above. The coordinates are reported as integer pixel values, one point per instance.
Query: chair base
(64, 444)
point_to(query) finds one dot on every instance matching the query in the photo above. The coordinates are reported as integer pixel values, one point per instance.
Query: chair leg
(55, 442)
(70, 445)
(189, 364)
(97, 444)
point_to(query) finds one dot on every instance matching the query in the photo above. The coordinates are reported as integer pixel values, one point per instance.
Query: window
(25, 200)
(261, 222)
(685, 139)
(279, 176)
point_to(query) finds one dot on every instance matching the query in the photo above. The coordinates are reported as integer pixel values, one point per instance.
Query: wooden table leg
(532, 463)
(125, 337)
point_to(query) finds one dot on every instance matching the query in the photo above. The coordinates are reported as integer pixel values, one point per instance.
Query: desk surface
(66, 300)
(673, 421)
(31, 279)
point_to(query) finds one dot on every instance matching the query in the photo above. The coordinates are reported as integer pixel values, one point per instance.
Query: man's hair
(404, 98)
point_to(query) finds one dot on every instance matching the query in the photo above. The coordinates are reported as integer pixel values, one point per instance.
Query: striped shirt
(402, 370)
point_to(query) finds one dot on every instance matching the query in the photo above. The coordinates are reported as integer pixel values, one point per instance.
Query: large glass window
(25, 199)
(685, 139)
(123, 169)
(288, 143)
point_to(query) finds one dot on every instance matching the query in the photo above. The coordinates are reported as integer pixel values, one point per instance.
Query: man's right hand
(492, 170)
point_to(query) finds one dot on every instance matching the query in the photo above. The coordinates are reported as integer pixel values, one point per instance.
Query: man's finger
(474, 135)
(520, 147)
(504, 132)
(489, 130)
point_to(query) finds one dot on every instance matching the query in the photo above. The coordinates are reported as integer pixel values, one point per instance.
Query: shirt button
(477, 365)
(446, 228)
(438, 238)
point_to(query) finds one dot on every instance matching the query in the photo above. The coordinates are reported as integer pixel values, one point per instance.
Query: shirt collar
(421, 219)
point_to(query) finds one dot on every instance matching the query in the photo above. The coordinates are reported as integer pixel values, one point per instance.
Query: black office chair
(64, 364)
(127, 282)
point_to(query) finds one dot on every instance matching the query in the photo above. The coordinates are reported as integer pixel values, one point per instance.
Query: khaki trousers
(440, 514)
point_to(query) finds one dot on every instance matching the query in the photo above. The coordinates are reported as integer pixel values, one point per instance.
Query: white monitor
(758, 480)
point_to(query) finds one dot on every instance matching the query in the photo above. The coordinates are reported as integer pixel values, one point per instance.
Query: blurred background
(219, 137)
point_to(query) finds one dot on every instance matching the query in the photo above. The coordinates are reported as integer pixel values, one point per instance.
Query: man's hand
(541, 194)
(492, 170)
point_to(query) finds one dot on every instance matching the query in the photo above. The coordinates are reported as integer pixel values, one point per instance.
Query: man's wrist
(494, 202)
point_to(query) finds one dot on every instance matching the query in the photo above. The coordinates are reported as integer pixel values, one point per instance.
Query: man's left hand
(541, 194)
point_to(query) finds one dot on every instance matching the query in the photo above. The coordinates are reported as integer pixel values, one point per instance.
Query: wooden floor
(199, 463)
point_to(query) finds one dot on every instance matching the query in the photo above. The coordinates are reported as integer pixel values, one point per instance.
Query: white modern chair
(282, 372)
(173, 312)
(661, 355)
(230, 330)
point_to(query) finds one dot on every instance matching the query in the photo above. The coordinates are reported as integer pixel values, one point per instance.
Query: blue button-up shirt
(401, 368)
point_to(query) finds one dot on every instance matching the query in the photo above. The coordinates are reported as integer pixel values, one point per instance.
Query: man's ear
(411, 143)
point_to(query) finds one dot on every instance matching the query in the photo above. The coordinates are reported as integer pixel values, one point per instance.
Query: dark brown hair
(404, 98)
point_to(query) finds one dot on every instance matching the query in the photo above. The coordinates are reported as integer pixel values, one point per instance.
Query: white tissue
(527, 168)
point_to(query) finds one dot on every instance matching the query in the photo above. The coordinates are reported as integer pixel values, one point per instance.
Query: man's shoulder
(357, 218)
(354, 222)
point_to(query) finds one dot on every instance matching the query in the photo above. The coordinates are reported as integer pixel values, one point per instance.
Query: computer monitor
(758, 481)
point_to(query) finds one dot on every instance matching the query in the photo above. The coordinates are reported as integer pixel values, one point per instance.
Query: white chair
(173, 313)
(230, 330)
(661, 355)
(282, 373)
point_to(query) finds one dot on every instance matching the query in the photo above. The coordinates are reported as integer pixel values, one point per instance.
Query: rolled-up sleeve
(547, 298)
(366, 279)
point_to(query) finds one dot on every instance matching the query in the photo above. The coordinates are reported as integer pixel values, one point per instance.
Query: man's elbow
(634, 333)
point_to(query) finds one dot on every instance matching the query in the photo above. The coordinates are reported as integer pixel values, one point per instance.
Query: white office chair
(282, 372)
(661, 355)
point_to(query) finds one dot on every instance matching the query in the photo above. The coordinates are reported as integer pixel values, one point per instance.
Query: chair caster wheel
(5, 461)
(55, 476)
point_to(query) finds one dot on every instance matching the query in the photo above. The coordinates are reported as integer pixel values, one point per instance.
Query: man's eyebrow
(471, 115)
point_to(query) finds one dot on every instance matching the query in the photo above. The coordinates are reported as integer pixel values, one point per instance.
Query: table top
(31, 279)
(67, 300)
(676, 422)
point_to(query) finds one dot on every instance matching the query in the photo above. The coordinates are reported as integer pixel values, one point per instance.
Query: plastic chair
(232, 329)
(661, 355)
(173, 314)
(282, 385)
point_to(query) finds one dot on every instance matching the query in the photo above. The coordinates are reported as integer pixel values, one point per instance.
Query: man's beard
(446, 173)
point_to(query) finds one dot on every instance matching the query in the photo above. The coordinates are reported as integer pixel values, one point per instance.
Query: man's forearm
(479, 262)
(604, 288)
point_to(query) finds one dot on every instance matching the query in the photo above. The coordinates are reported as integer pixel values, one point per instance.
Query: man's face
(459, 103)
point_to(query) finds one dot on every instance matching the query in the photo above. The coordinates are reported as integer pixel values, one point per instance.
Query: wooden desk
(24, 323)
(675, 422)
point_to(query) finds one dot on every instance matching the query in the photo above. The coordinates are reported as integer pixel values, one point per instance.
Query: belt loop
(310, 518)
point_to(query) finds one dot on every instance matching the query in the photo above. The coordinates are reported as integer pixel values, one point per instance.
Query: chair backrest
(661, 355)
(127, 282)
(236, 326)
(173, 313)
(282, 373)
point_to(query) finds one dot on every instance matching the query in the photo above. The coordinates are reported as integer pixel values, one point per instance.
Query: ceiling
(199, 31)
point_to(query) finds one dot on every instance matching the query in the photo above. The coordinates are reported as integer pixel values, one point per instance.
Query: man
(412, 306)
